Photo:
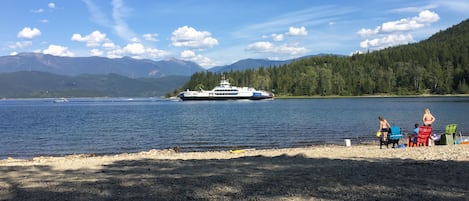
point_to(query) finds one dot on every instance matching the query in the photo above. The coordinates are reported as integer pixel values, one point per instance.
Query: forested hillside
(438, 65)
(34, 84)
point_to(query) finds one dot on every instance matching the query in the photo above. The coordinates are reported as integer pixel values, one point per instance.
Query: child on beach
(415, 133)
(383, 127)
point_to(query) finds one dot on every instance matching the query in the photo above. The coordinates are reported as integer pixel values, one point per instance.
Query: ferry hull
(207, 98)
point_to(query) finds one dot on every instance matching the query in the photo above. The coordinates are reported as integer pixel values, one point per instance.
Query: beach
(323, 172)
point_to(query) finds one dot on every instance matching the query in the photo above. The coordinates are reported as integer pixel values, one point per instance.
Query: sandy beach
(327, 172)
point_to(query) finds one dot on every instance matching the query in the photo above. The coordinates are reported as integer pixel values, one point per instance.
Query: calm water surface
(35, 127)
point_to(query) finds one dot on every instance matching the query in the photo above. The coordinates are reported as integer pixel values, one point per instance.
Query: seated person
(415, 133)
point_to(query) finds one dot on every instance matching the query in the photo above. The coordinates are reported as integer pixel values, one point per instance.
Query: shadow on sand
(247, 178)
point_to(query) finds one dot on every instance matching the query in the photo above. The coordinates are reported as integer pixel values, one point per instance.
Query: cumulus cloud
(116, 53)
(29, 33)
(187, 54)
(155, 53)
(189, 37)
(110, 45)
(151, 37)
(368, 32)
(396, 32)
(134, 48)
(261, 47)
(58, 50)
(197, 58)
(424, 18)
(96, 52)
(294, 31)
(93, 39)
(277, 37)
(203, 61)
(20, 45)
(387, 41)
(268, 47)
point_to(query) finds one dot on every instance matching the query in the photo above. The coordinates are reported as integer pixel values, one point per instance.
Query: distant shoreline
(275, 97)
(373, 96)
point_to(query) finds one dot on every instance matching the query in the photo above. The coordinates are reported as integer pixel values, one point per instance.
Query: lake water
(37, 127)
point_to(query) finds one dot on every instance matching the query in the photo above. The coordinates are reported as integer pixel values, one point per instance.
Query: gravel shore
(359, 172)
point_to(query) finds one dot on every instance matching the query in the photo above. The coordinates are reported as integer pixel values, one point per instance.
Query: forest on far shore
(437, 65)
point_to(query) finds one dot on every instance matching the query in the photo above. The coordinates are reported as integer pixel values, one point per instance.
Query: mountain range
(126, 66)
(36, 75)
(73, 66)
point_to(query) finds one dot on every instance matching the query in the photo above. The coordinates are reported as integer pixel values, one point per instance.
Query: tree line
(438, 65)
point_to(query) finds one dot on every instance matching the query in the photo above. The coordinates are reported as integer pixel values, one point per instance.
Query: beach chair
(423, 136)
(449, 135)
(394, 135)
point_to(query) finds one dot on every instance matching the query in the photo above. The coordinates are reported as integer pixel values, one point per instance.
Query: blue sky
(219, 32)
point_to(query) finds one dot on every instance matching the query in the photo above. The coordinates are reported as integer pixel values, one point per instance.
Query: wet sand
(361, 172)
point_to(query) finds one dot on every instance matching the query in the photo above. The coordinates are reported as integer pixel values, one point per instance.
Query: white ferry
(225, 92)
(61, 100)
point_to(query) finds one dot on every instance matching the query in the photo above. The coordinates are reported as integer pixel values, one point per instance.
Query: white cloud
(268, 47)
(368, 32)
(119, 12)
(156, 53)
(44, 21)
(134, 48)
(424, 18)
(51, 5)
(387, 41)
(261, 47)
(187, 54)
(291, 50)
(97, 15)
(396, 32)
(189, 37)
(197, 58)
(93, 39)
(135, 40)
(29, 33)
(277, 37)
(416, 9)
(58, 50)
(96, 52)
(117, 23)
(13, 53)
(427, 17)
(293, 31)
(116, 53)
(151, 37)
(203, 61)
(40, 10)
(20, 45)
(110, 45)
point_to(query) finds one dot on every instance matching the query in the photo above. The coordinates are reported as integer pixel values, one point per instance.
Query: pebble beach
(324, 172)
